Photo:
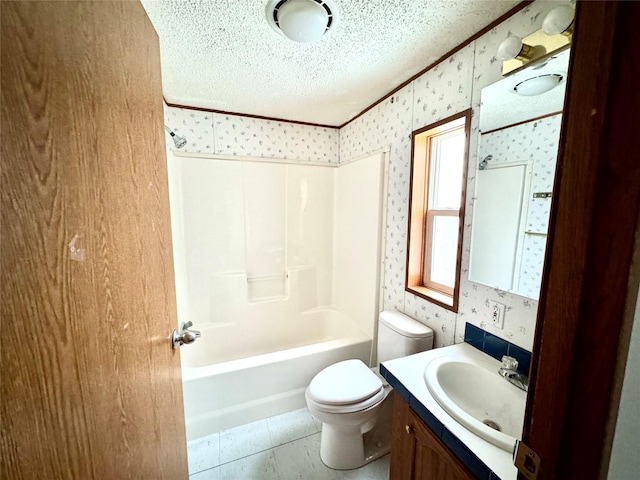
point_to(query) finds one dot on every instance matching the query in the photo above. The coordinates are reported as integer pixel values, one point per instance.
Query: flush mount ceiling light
(302, 20)
(538, 85)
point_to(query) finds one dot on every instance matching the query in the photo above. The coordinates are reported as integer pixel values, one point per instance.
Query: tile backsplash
(497, 347)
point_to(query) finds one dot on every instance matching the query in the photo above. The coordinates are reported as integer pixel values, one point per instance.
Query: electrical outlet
(497, 314)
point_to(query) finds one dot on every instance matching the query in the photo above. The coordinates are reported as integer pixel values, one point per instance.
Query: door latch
(526, 461)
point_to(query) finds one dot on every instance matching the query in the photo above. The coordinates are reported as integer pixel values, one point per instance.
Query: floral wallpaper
(439, 93)
(530, 275)
(221, 134)
(545, 135)
(450, 87)
(236, 135)
(535, 142)
(195, 126)
(444, 90)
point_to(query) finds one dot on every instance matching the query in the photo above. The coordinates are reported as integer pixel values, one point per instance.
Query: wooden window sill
(445, 301)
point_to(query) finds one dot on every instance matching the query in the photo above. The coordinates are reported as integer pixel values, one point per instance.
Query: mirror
(520, 118)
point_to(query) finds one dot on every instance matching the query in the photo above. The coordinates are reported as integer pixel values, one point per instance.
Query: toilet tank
(400, 335)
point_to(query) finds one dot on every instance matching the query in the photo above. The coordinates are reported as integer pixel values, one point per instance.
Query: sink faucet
(510, 373)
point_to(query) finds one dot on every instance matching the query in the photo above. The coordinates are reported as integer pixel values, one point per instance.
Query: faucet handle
(187, 325)
(509, 363)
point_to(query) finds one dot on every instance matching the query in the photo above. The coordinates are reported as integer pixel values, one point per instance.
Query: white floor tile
(378, 470)
(243, 441)
(291, 426)
(245, 453)
(211, 474)
(203, 453)
(301, 460)
(261, 466)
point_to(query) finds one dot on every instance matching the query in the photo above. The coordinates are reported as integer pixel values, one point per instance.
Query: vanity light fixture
(555, 34)
(302, 20)
(538, 85)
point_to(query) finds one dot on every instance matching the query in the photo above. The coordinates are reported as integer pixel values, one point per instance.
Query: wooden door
(592, 269)
(90, 385)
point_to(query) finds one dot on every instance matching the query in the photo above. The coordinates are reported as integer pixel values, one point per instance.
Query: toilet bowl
(353, 402)
(346, 397)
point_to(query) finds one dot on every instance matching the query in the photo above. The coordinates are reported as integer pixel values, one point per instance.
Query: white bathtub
(222, 390)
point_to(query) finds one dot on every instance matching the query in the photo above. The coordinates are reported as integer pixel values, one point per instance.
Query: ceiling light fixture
(538, 85)
(301, 20)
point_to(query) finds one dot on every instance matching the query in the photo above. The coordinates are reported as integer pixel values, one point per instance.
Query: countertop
(405, 375)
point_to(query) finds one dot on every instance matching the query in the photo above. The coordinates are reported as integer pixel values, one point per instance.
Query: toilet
(350, 399)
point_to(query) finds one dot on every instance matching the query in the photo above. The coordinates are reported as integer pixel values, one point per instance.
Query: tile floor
(278, 448)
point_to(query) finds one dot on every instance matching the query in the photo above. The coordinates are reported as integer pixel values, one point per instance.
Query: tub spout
(519, 380)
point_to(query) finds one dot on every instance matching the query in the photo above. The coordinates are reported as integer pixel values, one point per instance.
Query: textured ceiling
(223, 55)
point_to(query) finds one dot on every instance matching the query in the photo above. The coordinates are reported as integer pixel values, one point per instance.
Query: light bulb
(558, 20)
(302, 20)
(510, 48)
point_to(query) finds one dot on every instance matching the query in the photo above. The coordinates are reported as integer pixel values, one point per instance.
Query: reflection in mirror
(520, 119)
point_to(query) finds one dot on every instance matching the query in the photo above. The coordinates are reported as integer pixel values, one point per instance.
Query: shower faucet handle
(187, 325)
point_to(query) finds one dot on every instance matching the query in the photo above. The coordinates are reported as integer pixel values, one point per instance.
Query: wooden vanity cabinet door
(416, 452)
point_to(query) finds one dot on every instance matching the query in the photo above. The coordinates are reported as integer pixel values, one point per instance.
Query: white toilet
(349, 398)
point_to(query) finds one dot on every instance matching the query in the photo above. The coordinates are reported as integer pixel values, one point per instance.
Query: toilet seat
(345, 387)
(343, 409)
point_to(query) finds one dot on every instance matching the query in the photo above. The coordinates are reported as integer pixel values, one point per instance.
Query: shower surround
(280, 282)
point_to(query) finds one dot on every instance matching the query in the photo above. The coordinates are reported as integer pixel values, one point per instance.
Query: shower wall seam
(247, 158)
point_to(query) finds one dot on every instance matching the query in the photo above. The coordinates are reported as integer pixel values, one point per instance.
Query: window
(438, 177)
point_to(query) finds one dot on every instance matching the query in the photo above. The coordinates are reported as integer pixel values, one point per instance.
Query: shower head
(483, 164)
(177, 139)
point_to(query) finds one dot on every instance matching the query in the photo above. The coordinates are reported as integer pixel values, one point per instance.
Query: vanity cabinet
(417, 453)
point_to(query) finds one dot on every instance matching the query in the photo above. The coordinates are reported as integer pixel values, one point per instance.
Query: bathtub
(223, 391)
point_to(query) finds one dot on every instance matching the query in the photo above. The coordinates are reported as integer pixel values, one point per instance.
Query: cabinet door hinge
(526, 461)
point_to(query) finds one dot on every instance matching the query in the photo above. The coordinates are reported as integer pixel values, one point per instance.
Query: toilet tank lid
(404, 325)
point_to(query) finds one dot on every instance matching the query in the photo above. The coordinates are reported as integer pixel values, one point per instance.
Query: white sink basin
(479, 399)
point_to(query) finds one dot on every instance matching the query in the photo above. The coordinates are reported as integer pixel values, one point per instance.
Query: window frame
(421, 218)
(430, 215)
